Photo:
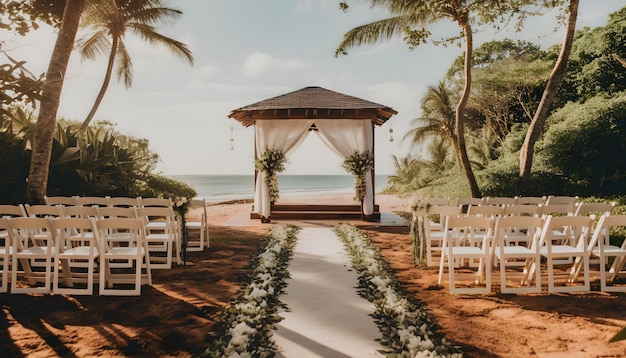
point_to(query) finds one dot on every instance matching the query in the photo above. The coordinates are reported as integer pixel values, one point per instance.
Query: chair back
(126, 202)
(521, 210)
(93, 200)
(111, 212)
(162, 202)
(44, 211)
(530, 200)
(558, 200)
(557, 210)
(570, 231)
(79, 211)
(500, 200)
(14, 211)
(598, 209)
(60, 200)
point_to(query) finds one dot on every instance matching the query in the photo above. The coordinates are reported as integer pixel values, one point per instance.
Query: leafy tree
(586, 143)
(507, 83)
(111, 21)
(412, 18)
(543, 109)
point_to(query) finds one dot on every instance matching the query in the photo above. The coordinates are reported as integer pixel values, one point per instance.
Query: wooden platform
(319, 212)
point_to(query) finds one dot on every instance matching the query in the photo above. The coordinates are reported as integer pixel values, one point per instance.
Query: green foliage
(14, 163)
(97, 162)
(158, 186)
(586, 143)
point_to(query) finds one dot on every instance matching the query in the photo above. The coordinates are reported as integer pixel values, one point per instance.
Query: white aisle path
(326, 317)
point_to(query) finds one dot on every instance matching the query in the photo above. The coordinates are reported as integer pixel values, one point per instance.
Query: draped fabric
(346, 136)
(342, 136)
(285, 135)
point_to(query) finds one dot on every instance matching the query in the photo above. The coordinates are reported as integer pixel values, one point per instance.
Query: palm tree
(51, 95)
(112, 19)
(438, 119)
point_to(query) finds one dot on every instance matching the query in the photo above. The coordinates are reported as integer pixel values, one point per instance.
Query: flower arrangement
(358, 164)
(181, 206)
(245, 328)
(404, 325)
(272, 162)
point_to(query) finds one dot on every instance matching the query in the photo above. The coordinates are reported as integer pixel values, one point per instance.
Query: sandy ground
(174, 317)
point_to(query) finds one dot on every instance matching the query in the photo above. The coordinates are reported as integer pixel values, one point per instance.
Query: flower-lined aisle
(245, 328)
(404, 325)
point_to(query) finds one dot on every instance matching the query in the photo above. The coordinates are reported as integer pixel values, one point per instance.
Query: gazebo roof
(313, 103)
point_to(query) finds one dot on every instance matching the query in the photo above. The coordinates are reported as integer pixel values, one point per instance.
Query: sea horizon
(226, 187)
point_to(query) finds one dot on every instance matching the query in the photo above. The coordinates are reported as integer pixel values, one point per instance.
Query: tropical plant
(437, 121)
(111, 21)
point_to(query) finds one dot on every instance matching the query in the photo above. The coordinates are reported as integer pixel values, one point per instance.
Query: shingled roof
(313, 103)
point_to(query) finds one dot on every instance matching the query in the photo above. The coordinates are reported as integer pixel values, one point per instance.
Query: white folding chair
(604, 250)
(161, 235)
(33, 241)
(567, 247)
(458, 234)
(197, 227)
(511, 256)
(114, 280)
(6, 253)
(76, 241)
(433, 229)
(596, 210)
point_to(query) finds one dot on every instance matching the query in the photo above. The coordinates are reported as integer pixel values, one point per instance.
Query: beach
(175, 316)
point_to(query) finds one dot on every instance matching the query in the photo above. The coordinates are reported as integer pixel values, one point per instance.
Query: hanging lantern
(390, 136)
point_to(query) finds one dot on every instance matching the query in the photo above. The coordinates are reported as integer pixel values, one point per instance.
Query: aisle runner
(327, 317)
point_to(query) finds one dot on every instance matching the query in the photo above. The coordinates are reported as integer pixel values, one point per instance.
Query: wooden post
(418, 239)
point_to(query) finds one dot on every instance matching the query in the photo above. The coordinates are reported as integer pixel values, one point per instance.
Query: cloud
(259, 63)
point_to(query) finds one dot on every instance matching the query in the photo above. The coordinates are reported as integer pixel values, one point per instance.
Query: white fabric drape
(344, 137)
(283, 134)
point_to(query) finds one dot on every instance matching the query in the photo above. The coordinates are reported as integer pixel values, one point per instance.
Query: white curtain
(346, 136)
(284, 134)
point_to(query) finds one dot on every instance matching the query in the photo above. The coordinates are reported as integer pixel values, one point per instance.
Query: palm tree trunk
(460, 111)
(51, 96)
(543, 110)
(105, 85)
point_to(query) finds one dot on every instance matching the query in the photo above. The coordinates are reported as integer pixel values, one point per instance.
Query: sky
(246, 51)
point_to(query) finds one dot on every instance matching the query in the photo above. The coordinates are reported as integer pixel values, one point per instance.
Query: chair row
(473, 245)
(107, 201)
(68, 255)
(502, 200)
(197, 230)
(437, 213)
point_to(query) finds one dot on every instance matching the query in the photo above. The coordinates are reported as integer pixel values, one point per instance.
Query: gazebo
(344, 123)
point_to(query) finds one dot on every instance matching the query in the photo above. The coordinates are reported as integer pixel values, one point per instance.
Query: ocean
(218, 188)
